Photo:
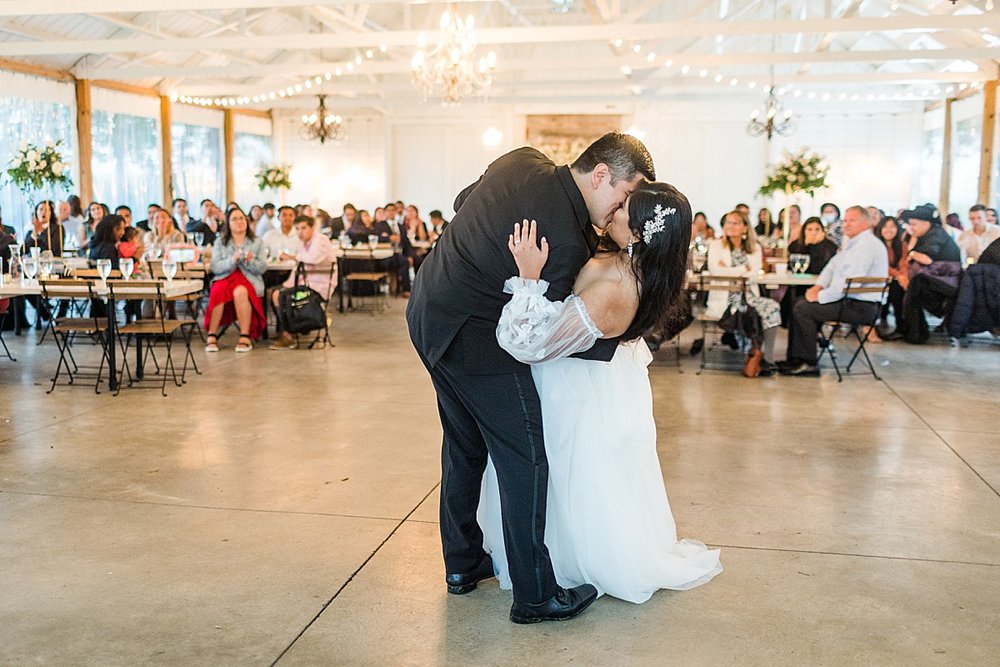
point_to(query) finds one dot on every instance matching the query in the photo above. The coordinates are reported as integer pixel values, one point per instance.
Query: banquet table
(172, 289)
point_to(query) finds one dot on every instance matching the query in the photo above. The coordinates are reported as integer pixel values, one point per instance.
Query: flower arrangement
(34, 168)
(798, 172)
(274, 177)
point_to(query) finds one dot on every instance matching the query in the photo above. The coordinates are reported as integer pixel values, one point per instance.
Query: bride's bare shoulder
(610, 293)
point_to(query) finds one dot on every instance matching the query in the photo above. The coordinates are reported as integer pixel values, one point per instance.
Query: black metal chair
(855, 286)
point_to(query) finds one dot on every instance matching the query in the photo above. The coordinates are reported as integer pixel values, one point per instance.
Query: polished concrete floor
(281, 509)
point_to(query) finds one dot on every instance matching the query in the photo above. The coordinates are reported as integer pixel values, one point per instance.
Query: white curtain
(250, 150)
(126, 161)
(33, 121)
(197, 158)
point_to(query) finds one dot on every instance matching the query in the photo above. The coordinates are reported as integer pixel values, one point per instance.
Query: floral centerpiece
(274, 177)
(799, 172)
(33, 168)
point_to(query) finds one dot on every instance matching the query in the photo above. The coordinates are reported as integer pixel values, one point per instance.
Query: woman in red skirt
(238, 265)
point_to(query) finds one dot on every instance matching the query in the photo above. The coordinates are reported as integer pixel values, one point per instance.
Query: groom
(487, 400)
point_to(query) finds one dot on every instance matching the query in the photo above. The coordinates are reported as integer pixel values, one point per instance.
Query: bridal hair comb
(657, 223)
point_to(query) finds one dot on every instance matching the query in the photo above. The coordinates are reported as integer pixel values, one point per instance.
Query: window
(35, 122)
(197, 164)
(126, 160)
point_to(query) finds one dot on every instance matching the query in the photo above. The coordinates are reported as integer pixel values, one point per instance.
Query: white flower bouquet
(33, 168)
(274, 177)
(798, 172)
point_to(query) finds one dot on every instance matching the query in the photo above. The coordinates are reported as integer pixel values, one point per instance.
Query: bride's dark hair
(660, 264)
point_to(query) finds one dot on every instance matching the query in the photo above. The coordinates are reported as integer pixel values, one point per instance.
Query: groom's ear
(601, 173)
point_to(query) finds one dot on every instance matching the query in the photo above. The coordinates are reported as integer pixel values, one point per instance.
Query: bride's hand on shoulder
(523, 244)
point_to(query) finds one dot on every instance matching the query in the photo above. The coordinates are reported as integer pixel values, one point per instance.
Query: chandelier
(773, 119)
(323, 126)
(451, 64)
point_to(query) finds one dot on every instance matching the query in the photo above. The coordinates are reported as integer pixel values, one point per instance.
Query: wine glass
(169, 269)
(45, 267)
(30, 268)
(804, 263)
(199, 239)
(127, 266)
(372, 241)
(104, 270)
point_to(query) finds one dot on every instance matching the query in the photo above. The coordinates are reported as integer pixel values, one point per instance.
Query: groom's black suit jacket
(458, 293)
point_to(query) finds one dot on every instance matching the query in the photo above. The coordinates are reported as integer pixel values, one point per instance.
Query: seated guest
(7, 242)
(357, 230)
(812, 241)
(381, 227)
(700, 229)
(126, 214)
(829, 213)
(737, 253)
(889, 232)
(402, 249)
(323, 220)
(934, 265)
(164, 235)
(765, 224)
(238, 266)
(268, 220)
(438, 225)
(71, 224)
(415, 227)
(130, 246)
(876, 214)
(991, 216)
(145, 225)
(256, 215)
(862, 255)
(316, 254)
(181, 214)
(208, 226)
(344, 221)
(104, 243)
(979, 235)
(6, 228)
(96, 211)
(284, 239)
(46, 232)
(977, 305)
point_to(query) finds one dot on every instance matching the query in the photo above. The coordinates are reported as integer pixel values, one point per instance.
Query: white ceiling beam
(519, 35)
(636, 62)
(51, 7)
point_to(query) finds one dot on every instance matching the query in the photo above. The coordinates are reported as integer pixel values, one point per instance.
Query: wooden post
(945, 161)
(230, 140)
(84, 132)
(989, 132)
(166, 153)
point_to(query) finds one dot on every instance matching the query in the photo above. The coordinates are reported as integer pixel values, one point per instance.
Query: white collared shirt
(276, 242)
(862, 256)
(973, 244)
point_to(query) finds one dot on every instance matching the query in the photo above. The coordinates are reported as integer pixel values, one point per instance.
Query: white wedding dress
(608, 521)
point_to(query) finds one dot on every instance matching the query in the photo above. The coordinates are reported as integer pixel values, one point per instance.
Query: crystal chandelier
(774, 119)
(451, 64)
(323, 126)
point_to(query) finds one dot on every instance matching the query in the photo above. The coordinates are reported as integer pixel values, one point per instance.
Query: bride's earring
(628, 249)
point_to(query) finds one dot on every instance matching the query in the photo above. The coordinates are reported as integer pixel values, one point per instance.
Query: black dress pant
(925, 292)
(499, 415)
(808, 316)
(895, 301)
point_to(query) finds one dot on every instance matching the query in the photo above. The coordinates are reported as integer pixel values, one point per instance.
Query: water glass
(127, 266)
(169, 270)
(30, 268)
(104, 270)
(199, 239)
(372, 241)
(45, 267)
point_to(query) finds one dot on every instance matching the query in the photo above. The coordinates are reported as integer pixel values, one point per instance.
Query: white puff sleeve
(533, 329)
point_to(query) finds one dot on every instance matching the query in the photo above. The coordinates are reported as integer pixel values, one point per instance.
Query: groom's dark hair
(625, 155)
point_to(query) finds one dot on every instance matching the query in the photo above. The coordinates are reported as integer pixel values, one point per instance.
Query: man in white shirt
(284, 239)
(974, 240)
(267, 221)
(862, 255)
(180, 206)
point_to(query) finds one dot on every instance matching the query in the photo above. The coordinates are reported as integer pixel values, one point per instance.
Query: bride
(608, 521)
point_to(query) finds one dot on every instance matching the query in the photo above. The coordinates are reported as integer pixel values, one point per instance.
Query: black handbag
(302, 308)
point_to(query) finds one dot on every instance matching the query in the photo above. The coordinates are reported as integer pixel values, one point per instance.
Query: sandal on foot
(212, 343)
(244, 347)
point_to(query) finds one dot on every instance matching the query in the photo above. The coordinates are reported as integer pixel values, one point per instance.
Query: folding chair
(380, 282)
(709, 283)
(4, 310)
(151, 330)
(192, 301)
(65, 329)
(861, 285)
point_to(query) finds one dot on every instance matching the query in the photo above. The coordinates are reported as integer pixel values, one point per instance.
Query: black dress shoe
(767, 369)
(787, 363)
(465, 582)
(801, 370)
(564, 605)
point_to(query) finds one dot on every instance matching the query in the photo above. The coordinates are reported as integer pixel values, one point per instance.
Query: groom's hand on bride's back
(523, 244)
